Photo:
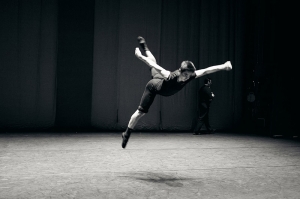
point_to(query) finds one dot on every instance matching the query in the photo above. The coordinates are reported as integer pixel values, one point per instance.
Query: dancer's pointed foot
(125, 138)
(141, 39)
(142, 43)
(228, 66)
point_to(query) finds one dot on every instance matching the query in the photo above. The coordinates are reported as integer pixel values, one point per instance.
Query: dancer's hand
(138, 53)
(228, 65)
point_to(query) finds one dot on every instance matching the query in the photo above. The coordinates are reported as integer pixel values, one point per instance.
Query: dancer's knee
(142, 110)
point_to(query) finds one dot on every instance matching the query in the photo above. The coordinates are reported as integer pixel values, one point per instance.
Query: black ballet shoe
(142, 43)
(125, 139)
(141, 40)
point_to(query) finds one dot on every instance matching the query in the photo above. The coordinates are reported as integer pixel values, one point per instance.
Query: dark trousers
(203, 118)
(148, 95)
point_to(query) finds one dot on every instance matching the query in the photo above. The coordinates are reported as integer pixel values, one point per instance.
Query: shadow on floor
(160, 178)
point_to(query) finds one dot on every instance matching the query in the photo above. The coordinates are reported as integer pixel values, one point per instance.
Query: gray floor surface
(154, 165)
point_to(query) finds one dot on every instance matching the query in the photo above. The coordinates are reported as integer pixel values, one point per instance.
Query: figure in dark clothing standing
(205, 97)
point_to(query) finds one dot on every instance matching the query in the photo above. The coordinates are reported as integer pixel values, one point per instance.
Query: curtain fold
(28, 63)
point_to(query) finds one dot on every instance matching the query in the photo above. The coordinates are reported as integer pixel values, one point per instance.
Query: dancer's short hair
(187, 66)
(206, 80)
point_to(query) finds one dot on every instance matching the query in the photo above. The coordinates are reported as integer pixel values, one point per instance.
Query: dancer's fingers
(229, 66)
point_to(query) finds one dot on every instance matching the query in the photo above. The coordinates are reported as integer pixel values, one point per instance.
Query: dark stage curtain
(74, 64)
(71, 64)
(27, 63)
(206, 32)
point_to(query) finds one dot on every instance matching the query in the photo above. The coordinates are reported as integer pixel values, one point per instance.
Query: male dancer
(164, 83)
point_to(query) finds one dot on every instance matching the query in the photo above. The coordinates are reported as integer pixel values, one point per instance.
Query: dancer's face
(184, 76)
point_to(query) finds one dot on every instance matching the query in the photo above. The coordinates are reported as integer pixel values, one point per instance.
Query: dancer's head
(186, 69)
(187, 66)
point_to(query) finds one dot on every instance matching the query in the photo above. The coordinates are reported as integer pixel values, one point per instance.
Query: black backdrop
(71, 64)
(207, 33)
(28, 59)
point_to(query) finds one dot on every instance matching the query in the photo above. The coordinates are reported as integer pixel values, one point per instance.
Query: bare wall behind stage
(71, 64)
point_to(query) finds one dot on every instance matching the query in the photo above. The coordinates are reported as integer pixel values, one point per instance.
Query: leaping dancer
(164, 83)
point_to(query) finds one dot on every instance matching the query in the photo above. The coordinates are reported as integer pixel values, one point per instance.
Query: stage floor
(154, 165)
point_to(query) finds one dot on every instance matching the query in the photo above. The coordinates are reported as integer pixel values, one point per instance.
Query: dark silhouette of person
(205, 97)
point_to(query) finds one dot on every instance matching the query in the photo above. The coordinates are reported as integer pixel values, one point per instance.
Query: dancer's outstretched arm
(226, 66)
(151, 63)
